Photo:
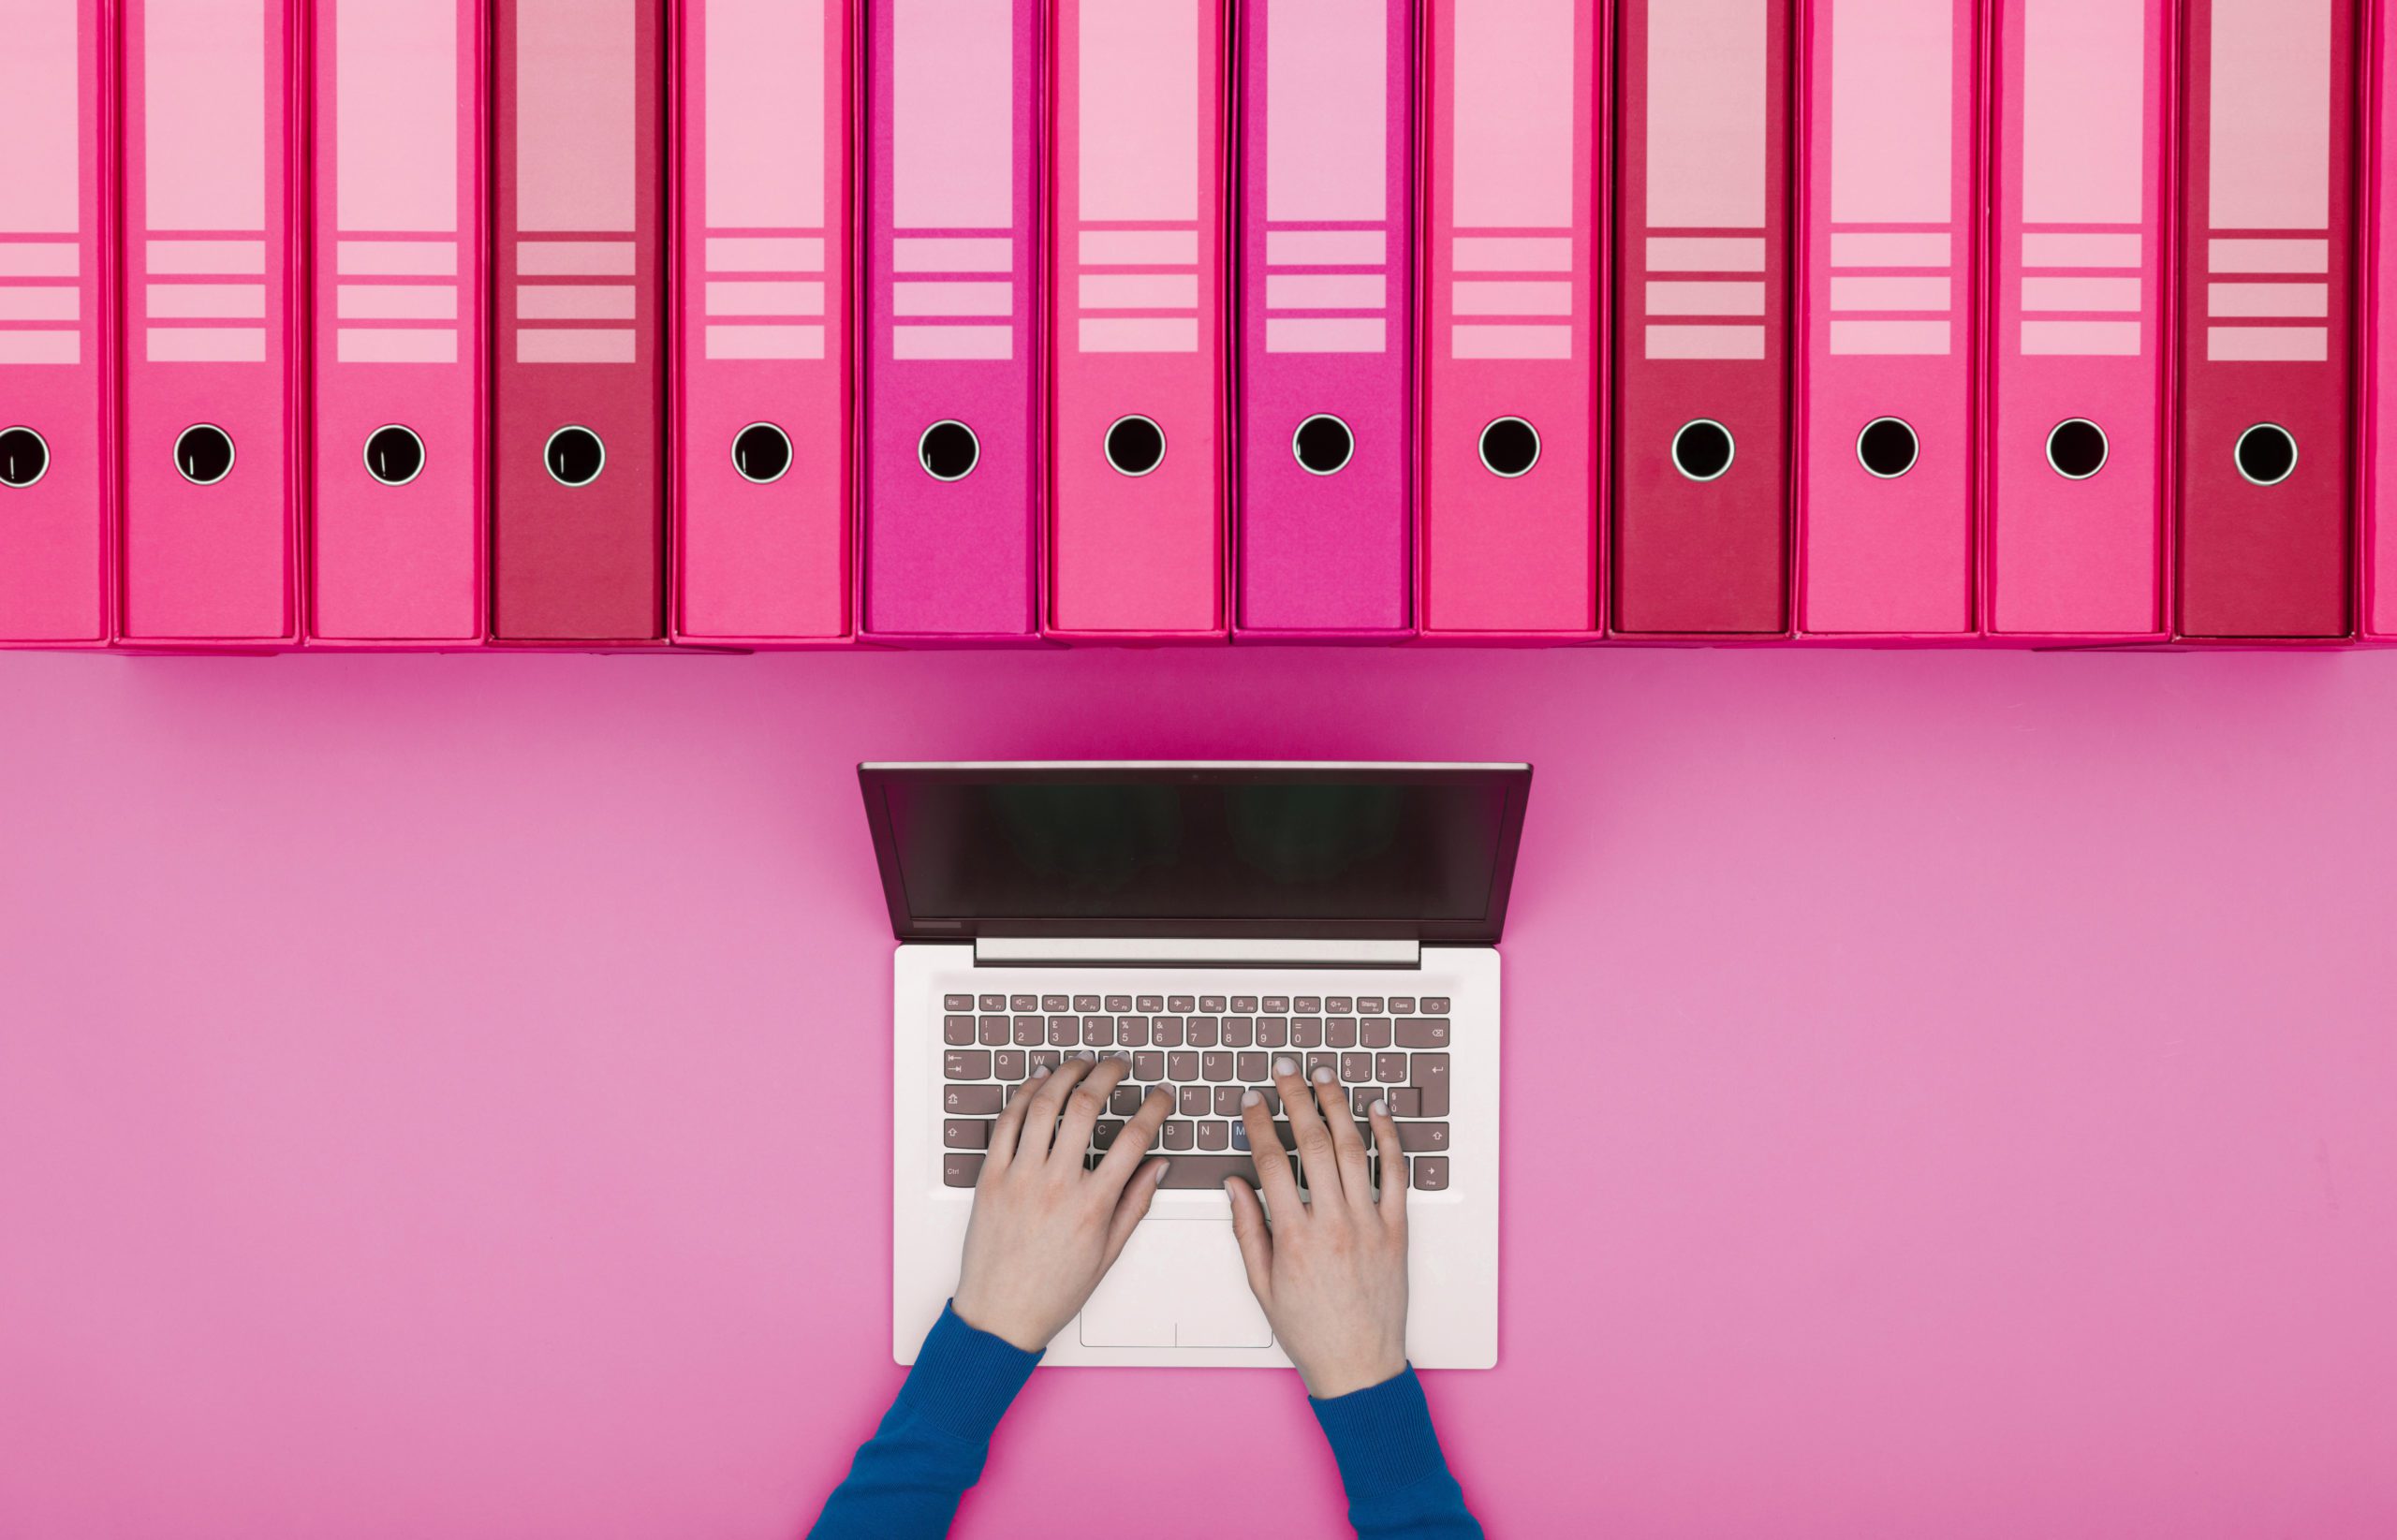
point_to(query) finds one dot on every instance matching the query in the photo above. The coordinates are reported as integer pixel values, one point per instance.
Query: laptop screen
(1424, 852)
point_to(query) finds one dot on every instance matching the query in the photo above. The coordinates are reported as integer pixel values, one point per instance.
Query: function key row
(961, 1029)
(1213, 1004)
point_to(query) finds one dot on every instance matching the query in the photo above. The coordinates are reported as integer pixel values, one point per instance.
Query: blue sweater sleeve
(1398, 1481)
(906, 1480)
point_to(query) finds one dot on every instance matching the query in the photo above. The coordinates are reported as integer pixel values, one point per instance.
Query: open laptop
(1200, 919)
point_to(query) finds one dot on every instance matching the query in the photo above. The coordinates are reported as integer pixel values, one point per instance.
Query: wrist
(1330, 1381)
(1010, 1329)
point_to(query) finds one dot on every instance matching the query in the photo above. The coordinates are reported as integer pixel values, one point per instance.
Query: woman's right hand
(1331, 1273)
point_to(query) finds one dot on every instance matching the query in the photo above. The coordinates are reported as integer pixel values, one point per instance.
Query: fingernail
(1086, 1056)
(1323, 1075)
(1250, 1098)
(1286, 1066)
(1163, 1166)
(1380, 1109)
(1038, 1070)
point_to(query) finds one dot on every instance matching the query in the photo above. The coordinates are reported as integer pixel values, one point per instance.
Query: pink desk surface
(1950, 1095)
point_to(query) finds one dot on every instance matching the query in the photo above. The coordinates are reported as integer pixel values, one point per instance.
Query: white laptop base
(1178, 1294)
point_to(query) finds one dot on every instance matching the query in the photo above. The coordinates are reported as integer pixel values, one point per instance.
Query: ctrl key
(958, 1170)
(1431, 1173)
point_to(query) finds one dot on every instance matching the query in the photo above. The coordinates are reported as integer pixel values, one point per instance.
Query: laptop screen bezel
(1513, 780)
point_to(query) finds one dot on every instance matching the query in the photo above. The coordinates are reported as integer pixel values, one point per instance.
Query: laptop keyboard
(1208, 1050)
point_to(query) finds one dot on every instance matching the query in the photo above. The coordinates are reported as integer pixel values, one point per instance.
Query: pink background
(1950, 1095)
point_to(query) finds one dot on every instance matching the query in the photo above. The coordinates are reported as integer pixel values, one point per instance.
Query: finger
(1132, 1144)
(1255, 1242)
(1273, 1178)
(1089, 1099)
(1008, 1127)
(1131, 1207)
(1315, 1155)
(1040, 1118)
(1348, 1144)
(1396, 1173)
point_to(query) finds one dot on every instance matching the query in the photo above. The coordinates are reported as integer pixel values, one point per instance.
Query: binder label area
(1513, 252)
(764, 241)
(1707, 161)
(952, 293)
(1328, 241)
(204, 179)
(576, 78)
(1137, 233)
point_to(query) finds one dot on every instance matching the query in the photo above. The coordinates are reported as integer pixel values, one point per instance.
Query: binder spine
(764, 388)
(397, 509)
(954, 318)
(57, 332)
(2378, 379)
(209, 540)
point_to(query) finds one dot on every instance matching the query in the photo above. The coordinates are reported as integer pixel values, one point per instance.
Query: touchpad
(1179, 1283)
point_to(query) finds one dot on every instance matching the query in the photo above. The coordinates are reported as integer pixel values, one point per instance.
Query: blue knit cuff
(963, 1381)
(1382, 1435)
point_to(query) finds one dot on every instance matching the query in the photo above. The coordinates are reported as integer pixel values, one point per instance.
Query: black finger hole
(948, 451)
(1888, 448)
(204, 454)
(394, 455)
(1509, 446)
(762, 452)
(1702, 450)
(1323, 444)
(1135, 444)
(2077, 449)
(575, 456)
(2267, 454)
(24, 456)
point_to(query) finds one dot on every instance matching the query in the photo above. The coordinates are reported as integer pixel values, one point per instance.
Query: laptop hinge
(1191, 952)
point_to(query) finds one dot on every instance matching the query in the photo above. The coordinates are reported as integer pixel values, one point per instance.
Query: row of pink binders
(370, 323)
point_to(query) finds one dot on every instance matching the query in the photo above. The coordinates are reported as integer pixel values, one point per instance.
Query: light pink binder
(210, 366)
(396, 505)
(56, 251)
(1887, 425)
(2378, 524)
(762, 389)
(1137, 442)
(2078, 454)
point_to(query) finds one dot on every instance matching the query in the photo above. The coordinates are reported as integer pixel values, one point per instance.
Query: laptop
(1200, 919)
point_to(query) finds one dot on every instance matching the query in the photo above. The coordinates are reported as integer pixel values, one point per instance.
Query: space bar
(1208, 1170)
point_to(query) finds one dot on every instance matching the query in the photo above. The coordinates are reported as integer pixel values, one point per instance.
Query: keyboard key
(1117, 1004)
(1098, 1031)
(1215, 1065)
(1307, 1004)
(1238, 1031)
(1272, 1032)
(1431, 1173)
(1019, 1088)
(1053, 1002)
(957, 1030)
(1369, 1004)
(1434, 1004)
(1167, 1030)
(1183, 1065)
(1253, 1067)
(1178, 1136)
(995, 1001)
(1227, 1100)
(1181, 1005)
(1240, 1135)
(1374, 1032)
(1432, 1079)
(1024, 1002)
(1338, 1005)
(1103, 1132)
(1423, 1137)
(958, 1003)
(1214, 1134)
(1212, 1003)
(1306, 1031)
(1029, 1030)
(1085, 1004)
(1424, 1032)
(1132, 1030)
(1401, 1004)
(1195, 1101)
(1245, 1004)
(965, 1064)
(993, 1030)
(1406, 1102)
(1340, 1031)
(1274, 1005)
(1204, 1032)
(1047, 1058)
(1008, 1064)
(1064, 1032)
(1320, 1058)
(1390, 1068)
(1356, 1066)
(973, 1101)
(1148, 1066)
(1364, 1097)
(1150, 1004)
(965, 1134)
(960, 1170)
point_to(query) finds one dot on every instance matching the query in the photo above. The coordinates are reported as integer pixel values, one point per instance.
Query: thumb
(1255, 1242)
(1131, 1207)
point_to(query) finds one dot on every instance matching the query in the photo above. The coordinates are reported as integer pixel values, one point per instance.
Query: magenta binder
(763, 389)
(396, 505)
(1888, 421)
(951, 535)
(57, 490)
(1509, 542)
(212, 373)
(1324, 485)
(2078, 452)
(1136, 389)
(2378, 530)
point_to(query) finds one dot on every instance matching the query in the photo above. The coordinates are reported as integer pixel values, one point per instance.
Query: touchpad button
(1179, 1283)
